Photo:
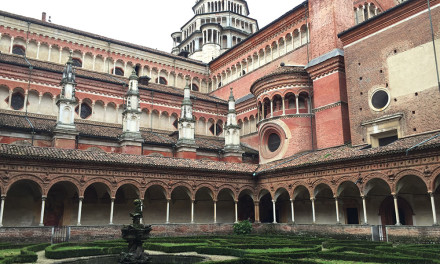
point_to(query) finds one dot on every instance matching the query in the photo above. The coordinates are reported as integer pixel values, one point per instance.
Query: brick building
(326, 117)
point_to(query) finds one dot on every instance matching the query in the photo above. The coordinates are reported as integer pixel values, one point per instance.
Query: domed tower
(216, 27)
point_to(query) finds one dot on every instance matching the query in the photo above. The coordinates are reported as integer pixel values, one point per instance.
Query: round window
(273, 142)
(380, 99)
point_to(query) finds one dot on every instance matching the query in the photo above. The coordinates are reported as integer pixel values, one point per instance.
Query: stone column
(43, 204)
(297, 103)
(2, 209)
(274, 212)
(337, 210)
(112, 206)
(167, 221)
(83, 60)
(80, 210)
(50, 53)
(10, 98)
(313, 210)
(364, 205)
(292, 209)
(25, 100)
(38, 50)
(434, 213)
(284, 105)
(94, 61)
(12, 44)
(396, 210)
(215, 212)
(192, 211)
(61, 54)
(114, 67)
(271, 108)
(236, 211)
(257, 211)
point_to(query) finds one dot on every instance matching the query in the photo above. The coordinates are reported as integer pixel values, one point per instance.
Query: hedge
(68, 250)
(173, 248)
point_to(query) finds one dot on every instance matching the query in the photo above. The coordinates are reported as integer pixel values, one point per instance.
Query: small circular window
(380, 99)
(273, 142)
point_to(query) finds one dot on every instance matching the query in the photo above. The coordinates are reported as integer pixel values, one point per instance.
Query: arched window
(17, 101)
(86, 111)
(162, 80)
(218, 129)
(119, 71)
(77, 62)
(194, 87)
(18, 50)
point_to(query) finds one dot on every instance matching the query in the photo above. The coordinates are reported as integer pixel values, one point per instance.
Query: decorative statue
(135, 235)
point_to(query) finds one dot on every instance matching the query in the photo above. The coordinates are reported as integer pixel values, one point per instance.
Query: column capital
(394, 195)
(44, 197)
(3, 197)
(81, 198)
(292, 200)
(312, 199)
(113, 199)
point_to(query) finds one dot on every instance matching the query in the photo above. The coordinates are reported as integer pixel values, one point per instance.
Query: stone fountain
(135, 235)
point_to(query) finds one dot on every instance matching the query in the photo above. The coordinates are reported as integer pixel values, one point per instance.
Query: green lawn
(250, 249)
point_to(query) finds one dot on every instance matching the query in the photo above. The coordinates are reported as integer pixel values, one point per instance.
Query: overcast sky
(148, 23)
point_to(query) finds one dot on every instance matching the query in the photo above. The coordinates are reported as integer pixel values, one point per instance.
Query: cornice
(335, 64)
(383, 20)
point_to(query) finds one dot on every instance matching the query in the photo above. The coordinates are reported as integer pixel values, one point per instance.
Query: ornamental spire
(233, 150)
(69, 72)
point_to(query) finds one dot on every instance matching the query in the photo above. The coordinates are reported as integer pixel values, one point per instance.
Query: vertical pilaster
(215, 212)
(313, 210)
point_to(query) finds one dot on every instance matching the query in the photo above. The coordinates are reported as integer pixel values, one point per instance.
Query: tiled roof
(79, 156)
(86, 128)
(98, 37)
(244, 98)
(105, 77)
(346, 153)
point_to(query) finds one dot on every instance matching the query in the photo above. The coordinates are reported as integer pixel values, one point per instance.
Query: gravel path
(43, 260)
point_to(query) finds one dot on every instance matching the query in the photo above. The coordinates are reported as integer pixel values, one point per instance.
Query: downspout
(29, 85)
(433, 44)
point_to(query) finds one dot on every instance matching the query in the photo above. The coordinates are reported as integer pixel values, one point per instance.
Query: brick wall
(396, 234)
(413, 234)
(367, 68)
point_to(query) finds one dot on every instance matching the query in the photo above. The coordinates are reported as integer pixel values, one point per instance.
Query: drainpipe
(29, 85)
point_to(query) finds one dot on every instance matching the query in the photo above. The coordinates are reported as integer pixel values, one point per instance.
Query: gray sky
(148, 23)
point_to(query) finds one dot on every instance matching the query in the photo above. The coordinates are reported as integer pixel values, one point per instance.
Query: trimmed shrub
(243, 227)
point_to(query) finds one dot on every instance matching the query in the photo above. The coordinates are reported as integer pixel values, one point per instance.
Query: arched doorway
(23, 204)
(180, 207)
(204, 206)
(62, 205)
(124, 198)
(245, 206)
(302, 205)
(388, 214)
(325, 208)
(266, 207)
(155, 205)
(282, 206)
(226, 206)
(96, 205)
(349, 199)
